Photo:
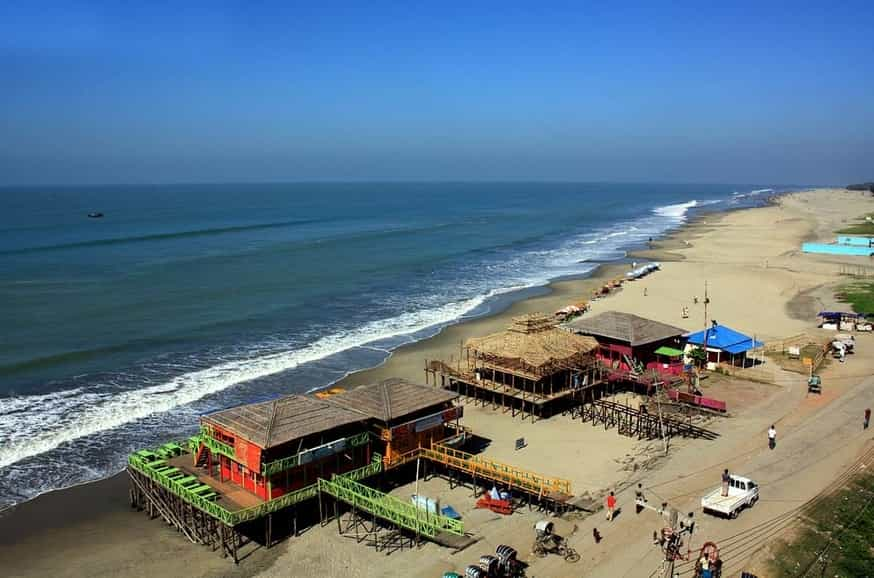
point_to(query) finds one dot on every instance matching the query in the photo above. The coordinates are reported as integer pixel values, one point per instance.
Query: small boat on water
(95, 215)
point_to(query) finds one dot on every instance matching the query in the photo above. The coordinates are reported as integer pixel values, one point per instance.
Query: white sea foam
(677, 211)
(740, 195)
(71, 414)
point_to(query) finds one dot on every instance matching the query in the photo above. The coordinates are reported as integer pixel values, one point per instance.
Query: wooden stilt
(294, 533)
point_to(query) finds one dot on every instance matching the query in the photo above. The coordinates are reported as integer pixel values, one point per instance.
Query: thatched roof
(272, 423)
(392, 399)
(533, 344)
(626, 327)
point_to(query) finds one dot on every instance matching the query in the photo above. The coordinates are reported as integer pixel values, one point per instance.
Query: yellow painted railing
(497, 471)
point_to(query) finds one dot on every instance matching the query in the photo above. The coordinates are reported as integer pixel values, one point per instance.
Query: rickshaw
(547, 542)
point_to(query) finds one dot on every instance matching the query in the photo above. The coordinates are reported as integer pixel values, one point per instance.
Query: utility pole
(706, 328)
(658, 395)
(670, 537)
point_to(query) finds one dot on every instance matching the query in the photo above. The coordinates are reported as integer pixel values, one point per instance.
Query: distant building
(271, 448)
(626, 340)
(724, 344)
(405, 416)
(532, 368)
(279, 446)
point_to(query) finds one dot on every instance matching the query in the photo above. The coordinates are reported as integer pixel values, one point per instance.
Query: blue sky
(187, 91)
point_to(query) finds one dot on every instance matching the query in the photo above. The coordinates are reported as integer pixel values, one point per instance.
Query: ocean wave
(35, 424)
(72, 414)
(739, 195)
(679, 211)
(161, 236)
(676, 211)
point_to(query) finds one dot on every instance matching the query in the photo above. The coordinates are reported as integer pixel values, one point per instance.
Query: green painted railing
(371, 469)
(146, 463)
(305, 493)
(146, 467)
(277, 504)
(215, 446)
(277, 466)
(389, 508)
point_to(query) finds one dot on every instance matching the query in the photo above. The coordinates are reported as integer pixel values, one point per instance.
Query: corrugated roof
(272, 423)
(533, 342)
(626, 327)
(724, 338)
(392, 399)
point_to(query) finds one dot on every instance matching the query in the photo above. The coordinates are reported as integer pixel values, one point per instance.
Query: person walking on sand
(772, 437)
(726, 478)
(611, 506)
(867, 417)
(644, 291)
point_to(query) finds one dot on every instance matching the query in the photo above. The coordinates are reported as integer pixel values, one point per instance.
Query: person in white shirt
(772, 437)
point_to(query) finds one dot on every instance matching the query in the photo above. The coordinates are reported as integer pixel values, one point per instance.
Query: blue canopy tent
(724, 340)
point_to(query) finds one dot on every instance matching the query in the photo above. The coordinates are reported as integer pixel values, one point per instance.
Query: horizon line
(400, 181)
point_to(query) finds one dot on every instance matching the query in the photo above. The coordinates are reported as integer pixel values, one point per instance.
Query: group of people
(610, 500)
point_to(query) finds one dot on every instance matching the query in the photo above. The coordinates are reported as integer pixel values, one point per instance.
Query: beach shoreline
(100, 533)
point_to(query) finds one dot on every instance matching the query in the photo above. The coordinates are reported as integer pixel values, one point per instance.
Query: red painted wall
(225, 465)
(248, 454)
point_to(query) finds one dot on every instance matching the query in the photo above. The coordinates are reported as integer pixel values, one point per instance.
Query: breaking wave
(72, 414)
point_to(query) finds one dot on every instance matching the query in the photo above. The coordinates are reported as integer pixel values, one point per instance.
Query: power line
(768, 528)
(831, 539)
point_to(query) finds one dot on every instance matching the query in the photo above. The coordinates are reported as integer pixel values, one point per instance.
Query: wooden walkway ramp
(514, 478)
(398, 512)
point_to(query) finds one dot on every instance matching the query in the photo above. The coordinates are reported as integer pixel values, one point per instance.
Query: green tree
(698, 356)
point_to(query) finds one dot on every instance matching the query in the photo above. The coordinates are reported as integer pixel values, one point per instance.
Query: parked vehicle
(814, 384)
(848, 341)
(547, 542)
(742, 493)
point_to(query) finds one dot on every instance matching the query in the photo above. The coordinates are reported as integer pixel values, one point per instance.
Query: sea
(119, 331)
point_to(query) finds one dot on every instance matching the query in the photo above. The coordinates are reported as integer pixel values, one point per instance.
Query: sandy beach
(758, 282)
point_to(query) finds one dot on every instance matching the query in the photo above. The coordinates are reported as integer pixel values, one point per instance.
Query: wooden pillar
(533, 406)
(321, 512)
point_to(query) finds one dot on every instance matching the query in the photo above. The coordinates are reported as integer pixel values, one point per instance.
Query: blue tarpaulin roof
(724, 338)
(836, 314)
